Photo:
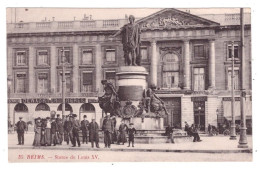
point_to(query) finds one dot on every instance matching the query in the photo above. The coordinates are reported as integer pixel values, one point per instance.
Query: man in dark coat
(60, 128)
(93, 133)
(84, 128)
(54, 132)
(108, 128)
(21, 127)
(75, 130)
(66, 128)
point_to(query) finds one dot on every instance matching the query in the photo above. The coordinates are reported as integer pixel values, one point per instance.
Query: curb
(138, 150)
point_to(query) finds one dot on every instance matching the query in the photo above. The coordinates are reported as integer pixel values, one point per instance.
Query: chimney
(74, 18)
(53, 18)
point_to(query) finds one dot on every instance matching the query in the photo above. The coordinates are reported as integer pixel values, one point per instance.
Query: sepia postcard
(129, 84)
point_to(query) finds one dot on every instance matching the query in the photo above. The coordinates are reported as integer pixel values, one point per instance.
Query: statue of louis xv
(131, 42)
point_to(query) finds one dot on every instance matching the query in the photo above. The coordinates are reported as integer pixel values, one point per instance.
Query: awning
(227, 109)
(238, 117)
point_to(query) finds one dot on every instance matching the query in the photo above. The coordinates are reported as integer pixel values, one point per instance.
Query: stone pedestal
(131, 82)
(131, 86)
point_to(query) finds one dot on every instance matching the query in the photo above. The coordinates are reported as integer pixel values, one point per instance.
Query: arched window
(20, 107)
(67, 107)
(42, 107)
(87, 108)
(171, 70)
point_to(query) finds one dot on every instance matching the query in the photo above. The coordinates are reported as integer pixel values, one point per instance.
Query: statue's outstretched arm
(117, 33)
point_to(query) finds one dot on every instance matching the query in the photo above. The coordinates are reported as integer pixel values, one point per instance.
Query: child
(131, 132)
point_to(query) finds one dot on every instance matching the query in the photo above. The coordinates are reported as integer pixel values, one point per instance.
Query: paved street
(218, 148)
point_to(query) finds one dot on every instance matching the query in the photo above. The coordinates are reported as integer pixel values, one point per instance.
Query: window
(20, 58)
(171, 71)
(110, 55)
(87, 83)
(67, 82)
(42, 83)
(170, 79)
(236, 49)
(144, 53)
(67, 55)
(199, 51)
(87, 56)
(42, 57)
(111, 77)
(199, 79)
(236, 79)
(21, 83)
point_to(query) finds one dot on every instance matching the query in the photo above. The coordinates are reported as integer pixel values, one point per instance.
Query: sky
(68, 14)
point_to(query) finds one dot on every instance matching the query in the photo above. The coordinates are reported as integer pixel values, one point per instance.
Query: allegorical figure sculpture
(107, 101)
(131, 42)
(154, 103)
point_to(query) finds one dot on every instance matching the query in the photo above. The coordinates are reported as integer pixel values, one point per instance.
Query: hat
(131, 124)
(74, 115)
(84, 116)
(37, 118)
(58, 115)
(48, 118)
(20, 117)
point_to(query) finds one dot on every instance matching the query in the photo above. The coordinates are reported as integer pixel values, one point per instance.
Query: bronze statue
(131, 42)
(107, 101)
(154, 104)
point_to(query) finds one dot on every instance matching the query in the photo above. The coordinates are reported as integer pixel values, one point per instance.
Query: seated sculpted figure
(156, 104)
(106, 102)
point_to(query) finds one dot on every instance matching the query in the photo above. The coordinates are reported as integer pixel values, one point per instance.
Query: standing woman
(43, 126)
(48, 132)
(122, 133)
(37, 130)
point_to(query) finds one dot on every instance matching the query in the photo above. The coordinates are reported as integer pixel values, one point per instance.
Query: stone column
(31, 76)
(75, 68)
(187, 77)
(10, 67)
(53, 70)
(98, 72)
(154, 64)
(212, 64)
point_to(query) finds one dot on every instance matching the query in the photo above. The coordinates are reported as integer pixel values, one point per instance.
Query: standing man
(59, 128)
(66, 127)
(21, 127)
(93, 133)
(108, 128)
(84, 128)
(75, 130)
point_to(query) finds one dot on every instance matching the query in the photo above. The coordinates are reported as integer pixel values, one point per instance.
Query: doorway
(199, 114)
(173, 106)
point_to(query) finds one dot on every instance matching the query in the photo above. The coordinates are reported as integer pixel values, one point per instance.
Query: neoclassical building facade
(188, 58)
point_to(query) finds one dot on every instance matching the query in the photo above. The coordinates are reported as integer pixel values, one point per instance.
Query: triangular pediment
(173, 18)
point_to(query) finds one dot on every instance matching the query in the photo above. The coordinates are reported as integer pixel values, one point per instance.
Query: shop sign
(54, 100)
(200, 98)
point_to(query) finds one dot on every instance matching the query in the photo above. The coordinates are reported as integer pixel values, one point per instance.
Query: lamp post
(9, 84)
(63, 81)
(243, 137)
(199, 108)
(233, 127)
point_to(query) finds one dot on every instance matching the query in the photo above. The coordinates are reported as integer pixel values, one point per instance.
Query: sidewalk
(215, 144)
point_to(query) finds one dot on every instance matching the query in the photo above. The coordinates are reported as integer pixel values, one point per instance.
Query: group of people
(192, 131)
(110, 133)
(53, 131)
